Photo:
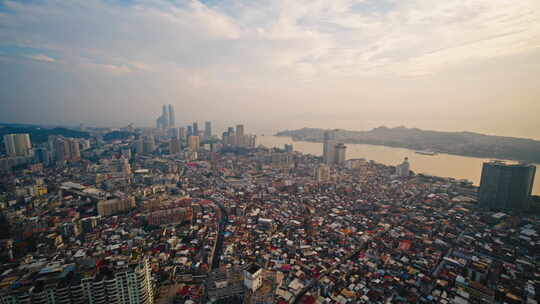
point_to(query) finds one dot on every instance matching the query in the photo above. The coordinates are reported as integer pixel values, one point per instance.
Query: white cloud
(107, 68)
(261, 41)
(41, 57)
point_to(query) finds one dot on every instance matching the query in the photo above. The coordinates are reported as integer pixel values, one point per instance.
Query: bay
(444, 165)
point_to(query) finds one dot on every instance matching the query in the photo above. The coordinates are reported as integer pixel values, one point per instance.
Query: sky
(450, 65)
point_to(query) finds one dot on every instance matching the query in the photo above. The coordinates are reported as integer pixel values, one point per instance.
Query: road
(218, 249)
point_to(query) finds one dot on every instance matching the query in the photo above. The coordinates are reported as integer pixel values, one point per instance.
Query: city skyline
(437, 65)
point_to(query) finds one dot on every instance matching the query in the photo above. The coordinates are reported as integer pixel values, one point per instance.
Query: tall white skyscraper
(17, 144)
(329, 148)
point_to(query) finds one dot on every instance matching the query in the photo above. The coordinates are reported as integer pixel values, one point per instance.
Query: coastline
(414, 150)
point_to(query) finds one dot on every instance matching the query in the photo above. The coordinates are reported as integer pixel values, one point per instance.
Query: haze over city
(437, 65)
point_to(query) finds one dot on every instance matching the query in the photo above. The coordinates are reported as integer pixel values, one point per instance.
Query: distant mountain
(39, 134)
(459, 143)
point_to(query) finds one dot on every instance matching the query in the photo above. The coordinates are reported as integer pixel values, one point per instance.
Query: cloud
(41, 57)
(107, 68)
(303, 39)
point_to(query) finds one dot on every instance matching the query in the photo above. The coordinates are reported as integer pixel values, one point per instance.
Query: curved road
(223, 219)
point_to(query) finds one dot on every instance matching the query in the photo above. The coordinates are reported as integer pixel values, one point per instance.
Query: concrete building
(403, 169)
(506, 186)
(240, 130)
(121, 280)
(114, 206)
(253, 277)
(195, 129)
(329, 148)
(207, 130)
(322, 173)
(194, 143)
(17, 144)
(174, 146)
(163, 121)
(172, 117)
(340, 153)
(182, 135)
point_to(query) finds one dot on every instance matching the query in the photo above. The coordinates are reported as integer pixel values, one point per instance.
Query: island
(457, 143)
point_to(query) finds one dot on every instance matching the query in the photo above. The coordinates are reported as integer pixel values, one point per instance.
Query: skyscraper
(240, 130)
(207, 130)
(17, 144)
(189, 131)
(194, 143)
(182, 133)
(329, 148)
(171, 117)
(174, 146)
(340, 153)
(163, 121)
(195, 129)
(504, 186)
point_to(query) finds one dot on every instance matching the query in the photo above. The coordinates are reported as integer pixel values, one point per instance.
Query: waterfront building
(403, 169)
(506, 186)
(328, 148)
(340, 153)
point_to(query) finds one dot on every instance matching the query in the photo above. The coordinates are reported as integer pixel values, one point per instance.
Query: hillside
(459, 143)
(40, 134)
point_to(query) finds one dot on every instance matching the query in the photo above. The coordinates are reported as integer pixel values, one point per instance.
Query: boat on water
(426, 152)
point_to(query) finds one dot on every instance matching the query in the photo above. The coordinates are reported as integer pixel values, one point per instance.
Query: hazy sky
(356, 64)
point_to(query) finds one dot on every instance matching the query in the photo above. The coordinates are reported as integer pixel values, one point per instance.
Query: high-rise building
(195, 129)
(173, 133)
(340, 153)
(171, 117)
(329, 148)
(403, 169)
(74, 150)
(207, 130)
(182, 135)
(163, 121)
(42, 155)
(17, 144)
(194, 143)
(240, 130)
(66, 149)
(506, 186)
(174, 146)
(119, 279)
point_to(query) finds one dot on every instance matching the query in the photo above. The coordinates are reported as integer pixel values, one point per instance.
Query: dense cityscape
(179, 215)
